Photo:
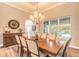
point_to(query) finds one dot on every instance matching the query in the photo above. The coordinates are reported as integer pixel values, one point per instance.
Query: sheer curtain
(28, 28)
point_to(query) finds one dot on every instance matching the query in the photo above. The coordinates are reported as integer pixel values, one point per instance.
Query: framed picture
(34, 28)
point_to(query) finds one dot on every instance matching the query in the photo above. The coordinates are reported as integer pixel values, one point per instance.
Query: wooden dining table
(54, 49)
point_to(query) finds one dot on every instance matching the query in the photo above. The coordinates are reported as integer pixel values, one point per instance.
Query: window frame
(58, 24)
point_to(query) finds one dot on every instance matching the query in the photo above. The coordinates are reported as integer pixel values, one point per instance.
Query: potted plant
(20, 30)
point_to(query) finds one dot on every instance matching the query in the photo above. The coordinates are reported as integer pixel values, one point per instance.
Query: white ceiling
(31, 6)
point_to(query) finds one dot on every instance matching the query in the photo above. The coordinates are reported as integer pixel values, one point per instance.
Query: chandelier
(37, 16)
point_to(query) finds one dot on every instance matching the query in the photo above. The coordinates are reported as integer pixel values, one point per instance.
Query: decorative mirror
(13, 24)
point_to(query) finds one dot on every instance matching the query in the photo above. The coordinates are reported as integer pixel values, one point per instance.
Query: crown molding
(47, 9)
(17, 8)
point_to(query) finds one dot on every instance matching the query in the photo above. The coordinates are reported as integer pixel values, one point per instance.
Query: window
(60, 26)
(46, 24)
(65, 26)
(53, 26)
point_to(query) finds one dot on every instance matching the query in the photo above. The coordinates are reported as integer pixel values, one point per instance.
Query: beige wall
(7, 13)
(68, 9)
(75, 25)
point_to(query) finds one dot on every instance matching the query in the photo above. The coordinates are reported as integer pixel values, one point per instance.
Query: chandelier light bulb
(37, 16)
(31, 17)
(40, 14)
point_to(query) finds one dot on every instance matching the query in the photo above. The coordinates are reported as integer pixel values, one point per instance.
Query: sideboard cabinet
(9, 39)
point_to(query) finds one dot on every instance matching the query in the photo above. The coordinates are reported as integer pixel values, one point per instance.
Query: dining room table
(50, 47)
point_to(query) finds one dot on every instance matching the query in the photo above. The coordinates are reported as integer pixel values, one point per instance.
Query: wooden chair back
(23, 41)
(33, 48)
(17, 39)
(65, 48)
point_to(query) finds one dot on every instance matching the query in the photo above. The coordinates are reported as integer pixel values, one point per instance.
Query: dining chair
(51, 36)
(18, 43)
(43, 36)
(39, 36)
(24, 46)
(62, 51)
(66, 46)
(33, 48)
(24, 35)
